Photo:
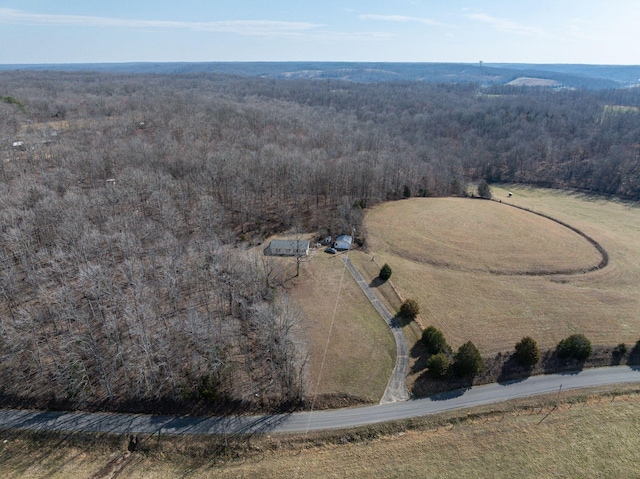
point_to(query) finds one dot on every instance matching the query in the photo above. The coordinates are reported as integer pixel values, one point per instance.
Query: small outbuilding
(343, 242)
(287, 248)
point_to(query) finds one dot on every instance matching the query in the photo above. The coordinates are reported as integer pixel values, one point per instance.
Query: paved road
(317, 420)
(397, 386)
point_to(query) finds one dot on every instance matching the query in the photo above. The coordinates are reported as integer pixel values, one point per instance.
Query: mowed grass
(581, 436)
(445, 254)
(474, 235)
(352, 351)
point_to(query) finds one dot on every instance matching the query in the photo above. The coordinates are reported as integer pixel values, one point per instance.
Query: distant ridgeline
(594, 77)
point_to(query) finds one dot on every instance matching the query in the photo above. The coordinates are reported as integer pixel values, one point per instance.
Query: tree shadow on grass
(401, 320)
(441, 389)
(617, 357)
(377, 282)
(634, 356)
(633, 361)
(420, 354)
(513, 371)
(449, 394)
(556, 365)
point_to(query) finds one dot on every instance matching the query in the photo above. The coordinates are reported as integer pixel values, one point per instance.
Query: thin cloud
(331, 36)
(581, 29)
(505, 25)
(403, 19)
(239, 27)
(343, 36)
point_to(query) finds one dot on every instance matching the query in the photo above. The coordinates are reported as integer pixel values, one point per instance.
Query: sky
(493, 31)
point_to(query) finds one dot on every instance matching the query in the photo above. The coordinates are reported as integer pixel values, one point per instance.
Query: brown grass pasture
(582, 435)
(443, 251)
(352, 351)
(461, 234)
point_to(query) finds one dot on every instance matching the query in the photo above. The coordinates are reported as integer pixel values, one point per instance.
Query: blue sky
(517, 31)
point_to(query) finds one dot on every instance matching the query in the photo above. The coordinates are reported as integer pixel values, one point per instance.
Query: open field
(620, 109)
(466, 262)
(360, 350)
(458, 234)
(537, 82)
(581, 435)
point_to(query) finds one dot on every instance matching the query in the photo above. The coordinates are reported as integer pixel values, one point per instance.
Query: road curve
(316, 420)
(397, 386)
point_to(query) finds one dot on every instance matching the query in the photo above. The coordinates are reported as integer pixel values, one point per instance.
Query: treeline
(557, 138)
(127, 210)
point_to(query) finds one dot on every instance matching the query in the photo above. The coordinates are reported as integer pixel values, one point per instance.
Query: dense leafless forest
(129, 205)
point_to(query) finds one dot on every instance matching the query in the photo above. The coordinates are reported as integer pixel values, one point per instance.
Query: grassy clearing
(620, 109)
(360, 350)
(369, 267)
(467, 302)
(537, 82)
(461, 234)
(580, 435)
(43, 129)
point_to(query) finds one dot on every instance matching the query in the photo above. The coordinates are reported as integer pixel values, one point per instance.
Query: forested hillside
(128, 204)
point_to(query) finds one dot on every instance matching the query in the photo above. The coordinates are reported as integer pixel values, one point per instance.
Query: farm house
(287, 248)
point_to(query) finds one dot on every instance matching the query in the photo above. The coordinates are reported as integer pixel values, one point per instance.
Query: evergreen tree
(527, 352)
(468, 361)
(385, 272)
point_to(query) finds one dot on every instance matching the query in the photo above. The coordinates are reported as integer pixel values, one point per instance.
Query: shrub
(409, 309)
(484, 191)
(620, 350)
(576, 346)
(209, 387)
(434, 341)
(527, 352)
(385, 272)
(438, 365)
(468, 360)
(618, 353)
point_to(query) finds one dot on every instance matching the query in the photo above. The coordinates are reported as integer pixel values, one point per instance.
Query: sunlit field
(490, 273)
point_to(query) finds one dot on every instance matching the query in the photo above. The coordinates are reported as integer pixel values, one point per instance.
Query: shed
(292, 247)
(346, 238)
(341, 245)
(343, 242)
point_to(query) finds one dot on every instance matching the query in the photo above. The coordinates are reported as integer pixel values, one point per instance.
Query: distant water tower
(480, 67)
